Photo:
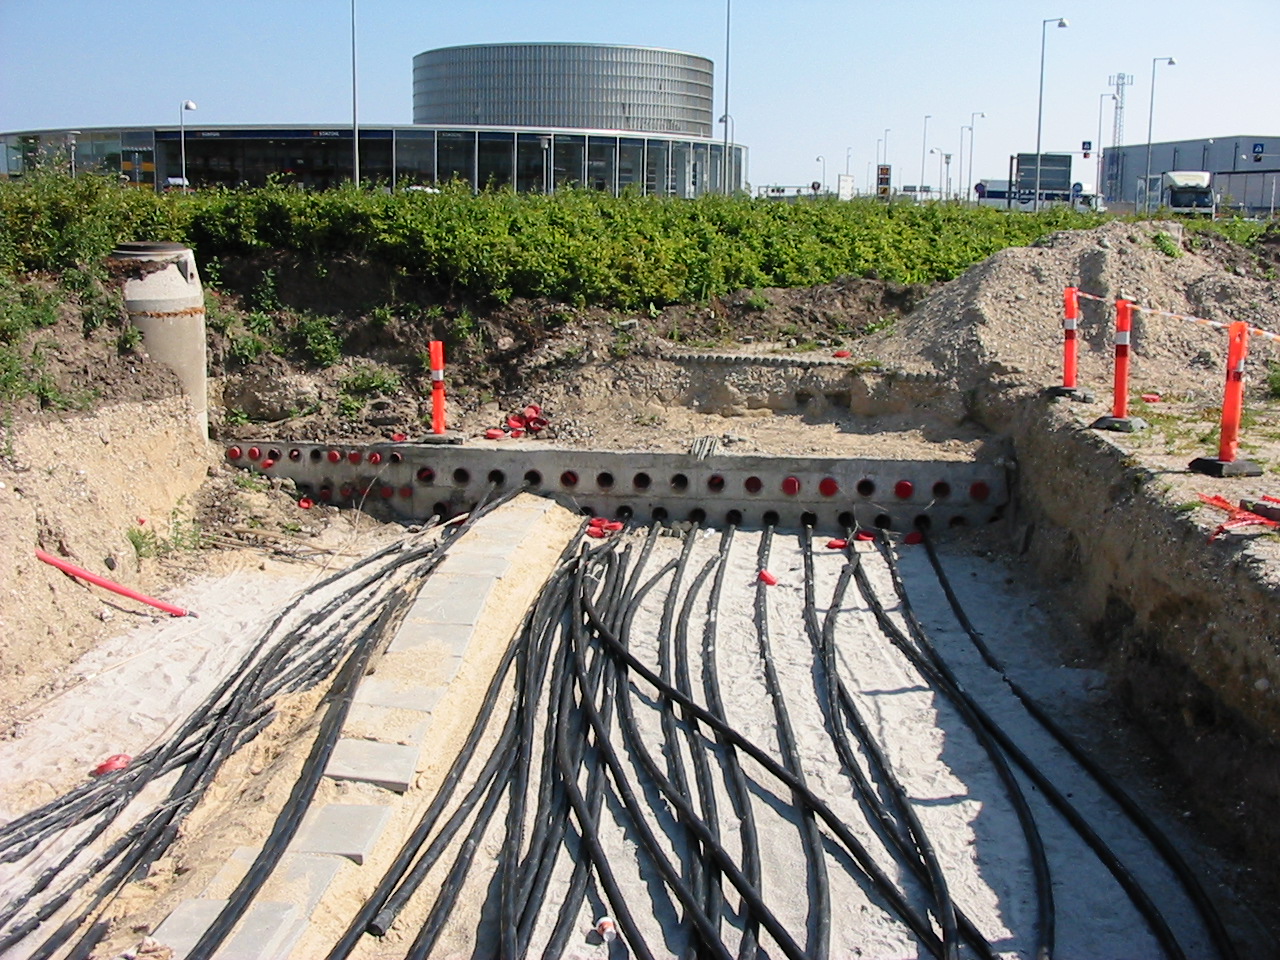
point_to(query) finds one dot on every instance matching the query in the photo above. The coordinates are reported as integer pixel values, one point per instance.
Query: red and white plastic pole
(1070, 347)
(437, 386)
(1120, 420)
(1226, 464)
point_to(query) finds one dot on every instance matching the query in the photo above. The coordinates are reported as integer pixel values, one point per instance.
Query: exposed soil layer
(1188, 630)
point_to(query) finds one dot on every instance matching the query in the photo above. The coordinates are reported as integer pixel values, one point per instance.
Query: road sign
(815, 186)
(1086, 145)
(1259, 148)
(1077, 189)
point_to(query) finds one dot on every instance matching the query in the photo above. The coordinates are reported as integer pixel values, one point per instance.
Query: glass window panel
(533, 154)
(657, 178)
(415, 158)
(495, 160)
(682, 169)
(570, 157)
(455, 156)
(602, 154)
(630, 164)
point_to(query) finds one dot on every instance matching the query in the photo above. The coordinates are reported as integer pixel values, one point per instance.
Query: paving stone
(452, 598)
(390, 765)
(259, 934)
(342, 829)
(389, 724)
(464, 562)
(387, 691)
(418, 633)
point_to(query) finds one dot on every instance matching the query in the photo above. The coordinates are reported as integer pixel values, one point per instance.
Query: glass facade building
(532, 117)
(484, 158)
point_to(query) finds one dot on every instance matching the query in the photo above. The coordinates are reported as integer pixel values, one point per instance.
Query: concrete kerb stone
(264, 932)
(389, 765)
(343, 830)
(400, 692)
(452, 598)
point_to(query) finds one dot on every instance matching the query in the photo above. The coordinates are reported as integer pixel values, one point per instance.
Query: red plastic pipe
(111, 585)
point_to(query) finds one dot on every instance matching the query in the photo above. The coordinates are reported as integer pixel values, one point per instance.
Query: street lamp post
(960, 171)
(182, 138)
(355, 123)
(1151, 112)
(729, 140)
(924, 142)
(1062, 24)
(1099, 189)
(848, 155)
(973, 117)
(728, 13)
(886, 154)
(822, 160)
(938, 151)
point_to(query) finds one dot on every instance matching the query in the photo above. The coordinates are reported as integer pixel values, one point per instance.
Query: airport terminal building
(533, 117)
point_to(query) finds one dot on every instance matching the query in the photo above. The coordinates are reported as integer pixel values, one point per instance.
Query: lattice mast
(1119, 81)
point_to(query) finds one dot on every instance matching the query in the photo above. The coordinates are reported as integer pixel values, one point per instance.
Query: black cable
(1168, 852)
(819, 926)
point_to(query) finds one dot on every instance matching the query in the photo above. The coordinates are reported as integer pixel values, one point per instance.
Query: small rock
(1262, 685)
(109, 562)
(1104, 243)
(105, 615)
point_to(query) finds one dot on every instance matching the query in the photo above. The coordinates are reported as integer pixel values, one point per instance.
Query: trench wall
(1190, 630)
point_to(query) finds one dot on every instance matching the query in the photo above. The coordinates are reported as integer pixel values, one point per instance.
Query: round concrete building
(583, 85)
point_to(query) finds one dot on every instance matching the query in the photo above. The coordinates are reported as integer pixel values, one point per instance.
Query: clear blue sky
(807, 77)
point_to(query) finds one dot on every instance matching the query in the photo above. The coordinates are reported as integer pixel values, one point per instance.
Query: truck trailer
(1187, 192)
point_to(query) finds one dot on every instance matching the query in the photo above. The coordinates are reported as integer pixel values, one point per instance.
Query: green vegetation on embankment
(579, 247)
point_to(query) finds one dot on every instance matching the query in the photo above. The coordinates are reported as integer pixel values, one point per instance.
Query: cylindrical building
(575, 85)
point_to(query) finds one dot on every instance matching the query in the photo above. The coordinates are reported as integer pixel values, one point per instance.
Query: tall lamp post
(182, 138)
(729, 140)
(886, 155)
(728, 13)
(973, 117)
(1062, 24)
(355, 122)
(1151, 112)
(938, 151)
(924, 142)
(822, 160)
(1100, 190)
(848, 155)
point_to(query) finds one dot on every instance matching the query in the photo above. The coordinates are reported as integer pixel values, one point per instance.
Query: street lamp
(355, 123)
(1151, 112)
(728, 13)
(822, 160)
(972, 118)
(182, 138)
(923, 144)
(938, 151)
(1062, 24)
(878, 142)
(1099, 189)
(886, 152)
(848, 154)
(729, 140)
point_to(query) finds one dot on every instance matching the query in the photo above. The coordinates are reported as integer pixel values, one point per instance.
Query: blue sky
(808, 78)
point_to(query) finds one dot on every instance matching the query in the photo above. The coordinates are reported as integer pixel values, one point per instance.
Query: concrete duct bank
(418, 480)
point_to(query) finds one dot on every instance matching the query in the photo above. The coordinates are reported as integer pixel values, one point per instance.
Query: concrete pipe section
(166, 302)
(829, 494)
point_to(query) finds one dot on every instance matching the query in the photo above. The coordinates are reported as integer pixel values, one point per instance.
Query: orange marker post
(1120, 420)
(1070, 319)
(1226, 465)
(437, 386)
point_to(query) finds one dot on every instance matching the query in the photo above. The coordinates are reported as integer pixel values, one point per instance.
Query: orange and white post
(1070, 345)
(437, 386)
(1120, 420)
(1227, 464)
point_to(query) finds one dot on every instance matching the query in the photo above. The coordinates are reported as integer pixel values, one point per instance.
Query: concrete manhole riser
(830, 494)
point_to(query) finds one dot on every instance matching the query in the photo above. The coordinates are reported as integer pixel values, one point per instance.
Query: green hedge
(578, 246)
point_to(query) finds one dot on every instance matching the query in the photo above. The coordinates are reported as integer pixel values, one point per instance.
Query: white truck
(1188, 192)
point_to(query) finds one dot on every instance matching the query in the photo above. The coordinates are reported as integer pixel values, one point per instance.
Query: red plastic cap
(113, 763)
(268, 464)
(768, 578)
(532, 412)
(903, 489)
(375, 458)
(406, 492)
(979, 491)
(516, 422)
(842, 354)
(398, 438)
(598, 521)
(334, 456)
(915, 536)
(613, 526)
(838, 544)
(536, 424)
(387, 492)
(516, 434)
(791, 486)
(254, 453)
(354, 456)
(828, 487)
(595, 533)
(306, 503)
(234, 453)
(1151, 397)
(493, 433)
(864, 535)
